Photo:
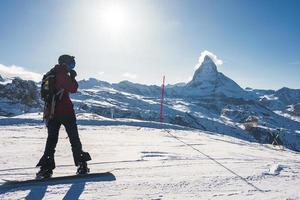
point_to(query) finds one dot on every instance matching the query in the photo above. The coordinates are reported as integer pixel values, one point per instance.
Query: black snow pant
(53, 126)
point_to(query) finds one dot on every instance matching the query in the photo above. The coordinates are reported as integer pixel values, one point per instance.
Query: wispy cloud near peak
(214, 57)
(16, 71)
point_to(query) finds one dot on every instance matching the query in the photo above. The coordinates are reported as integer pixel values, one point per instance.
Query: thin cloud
(100, 73)
(129, 75)
(204, 53)
(16, 71)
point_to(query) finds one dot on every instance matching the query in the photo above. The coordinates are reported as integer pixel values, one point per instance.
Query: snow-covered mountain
(92, 82)
(284, 101)
(288, 96)
(210, 101)
(18, 96)
(207, 81)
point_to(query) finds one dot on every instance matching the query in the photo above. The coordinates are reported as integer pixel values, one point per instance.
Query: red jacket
(64, 106)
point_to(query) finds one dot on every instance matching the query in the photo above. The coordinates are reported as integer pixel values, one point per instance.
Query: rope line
(217, 162)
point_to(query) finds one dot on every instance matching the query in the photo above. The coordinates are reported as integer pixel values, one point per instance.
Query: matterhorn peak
(207, 59)
(207, 71)
(207, 66)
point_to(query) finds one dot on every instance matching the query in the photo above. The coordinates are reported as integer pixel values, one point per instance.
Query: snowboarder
(60, 112)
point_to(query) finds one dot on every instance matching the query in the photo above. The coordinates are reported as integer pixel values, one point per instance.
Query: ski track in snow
(149, 164)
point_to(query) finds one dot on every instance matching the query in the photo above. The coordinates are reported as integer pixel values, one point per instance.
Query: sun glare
(115, 18)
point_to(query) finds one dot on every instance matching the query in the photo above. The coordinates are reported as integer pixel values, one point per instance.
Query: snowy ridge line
(217, 162)
(95, 163)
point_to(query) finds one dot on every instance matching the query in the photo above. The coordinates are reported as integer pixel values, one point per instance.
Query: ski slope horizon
(149, 162)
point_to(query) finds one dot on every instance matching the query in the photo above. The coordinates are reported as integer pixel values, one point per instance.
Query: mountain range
(211, 101)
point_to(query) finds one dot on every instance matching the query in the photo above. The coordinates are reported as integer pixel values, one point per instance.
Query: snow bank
(274, 170)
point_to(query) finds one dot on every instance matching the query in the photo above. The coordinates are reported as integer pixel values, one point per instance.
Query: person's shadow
(74, 192)
(38, 191)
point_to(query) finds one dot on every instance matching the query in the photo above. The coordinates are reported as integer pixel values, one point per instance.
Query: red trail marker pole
(162, 101)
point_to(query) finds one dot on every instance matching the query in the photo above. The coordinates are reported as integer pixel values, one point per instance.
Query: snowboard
(81, 178)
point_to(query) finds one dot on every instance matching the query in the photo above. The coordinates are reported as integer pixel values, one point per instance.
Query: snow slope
(150, 163)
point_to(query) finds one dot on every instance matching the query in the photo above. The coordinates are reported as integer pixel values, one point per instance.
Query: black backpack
(48, 90)
(50, 94)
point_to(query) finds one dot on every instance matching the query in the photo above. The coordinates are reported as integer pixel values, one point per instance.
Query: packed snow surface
(150, 163)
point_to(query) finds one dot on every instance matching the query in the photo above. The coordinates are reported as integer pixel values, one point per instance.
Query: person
(64, 114)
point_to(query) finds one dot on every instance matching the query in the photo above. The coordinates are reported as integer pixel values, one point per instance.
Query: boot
(82, 168)
(46, 162)
(44, 173)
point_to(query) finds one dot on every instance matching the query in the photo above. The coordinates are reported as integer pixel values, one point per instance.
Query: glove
(73, 74)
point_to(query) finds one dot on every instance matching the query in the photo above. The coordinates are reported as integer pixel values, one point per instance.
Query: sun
(115, 17)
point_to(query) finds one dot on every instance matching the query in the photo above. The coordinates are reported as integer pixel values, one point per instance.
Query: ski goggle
(71, 65)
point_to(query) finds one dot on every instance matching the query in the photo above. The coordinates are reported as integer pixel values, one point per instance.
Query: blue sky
(142, 40)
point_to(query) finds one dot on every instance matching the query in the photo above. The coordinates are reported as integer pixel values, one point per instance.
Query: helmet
(68, 60)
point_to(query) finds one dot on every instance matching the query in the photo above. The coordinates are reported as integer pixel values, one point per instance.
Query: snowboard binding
(82, 168)
(44, 173)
